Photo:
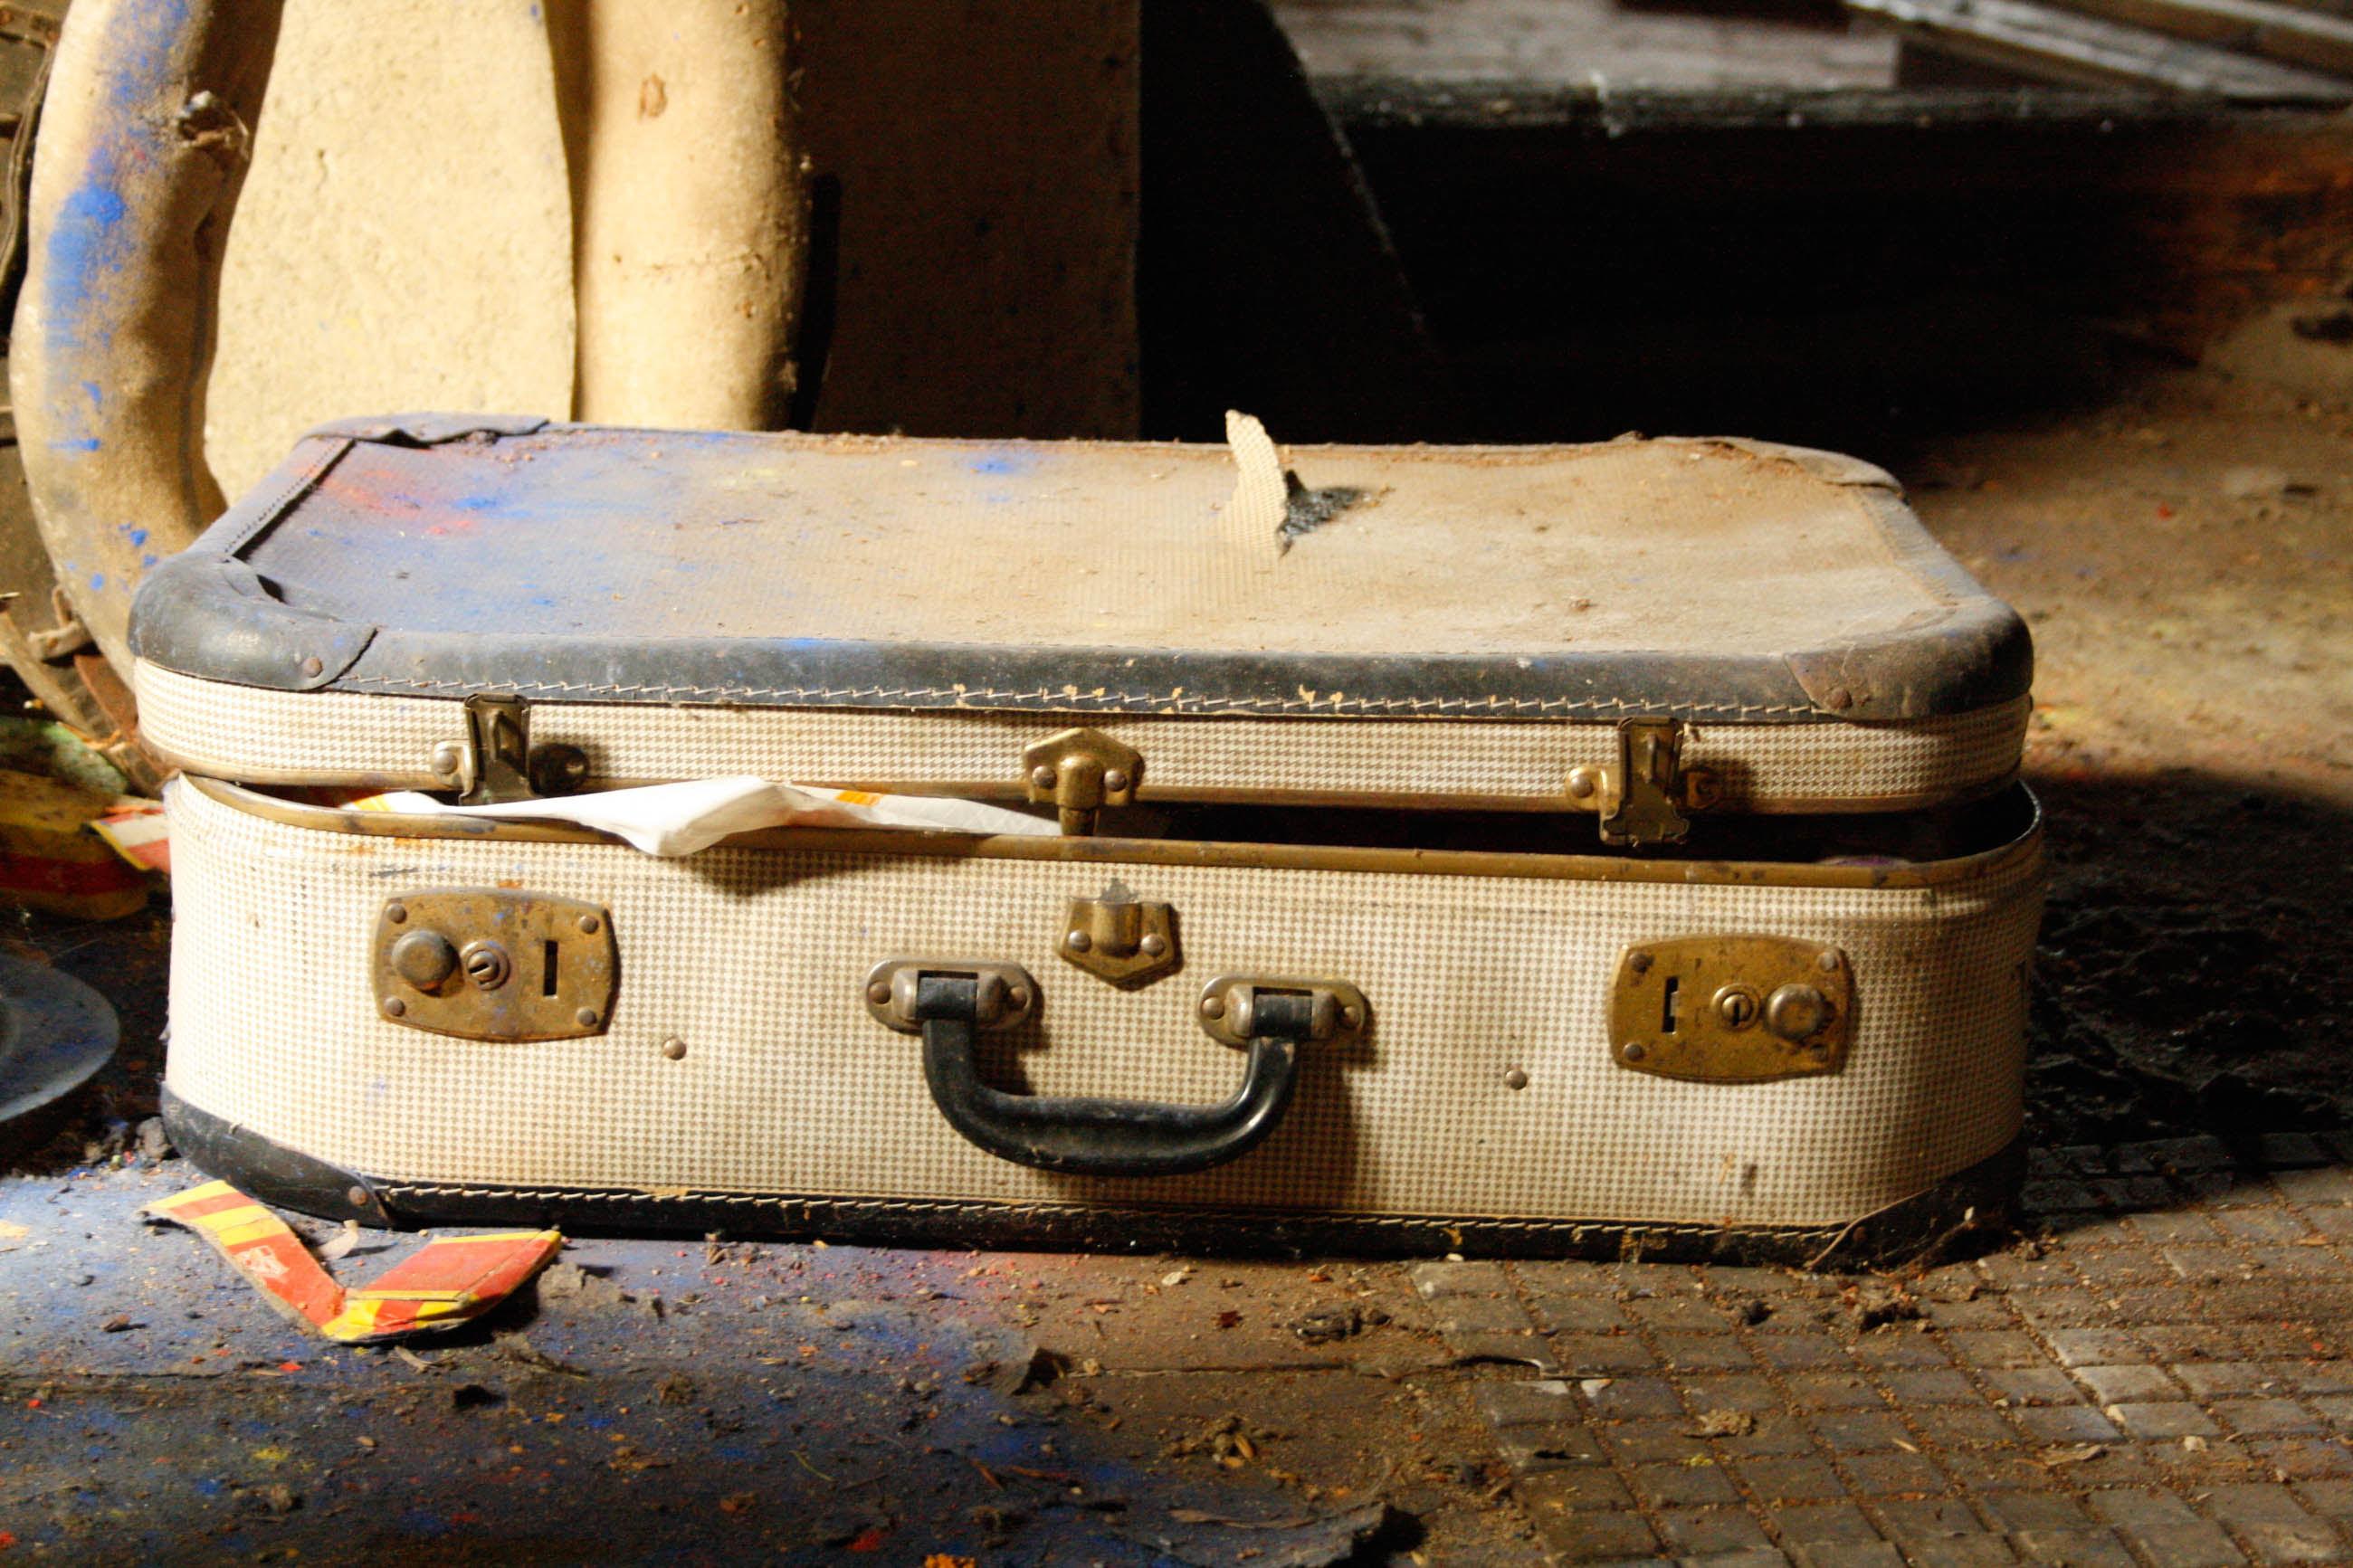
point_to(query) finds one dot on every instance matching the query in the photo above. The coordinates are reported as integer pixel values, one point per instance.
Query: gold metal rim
(2026, 847)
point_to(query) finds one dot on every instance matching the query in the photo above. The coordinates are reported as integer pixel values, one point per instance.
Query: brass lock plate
(491, 963)
(1732, 1009)
(1118, 937)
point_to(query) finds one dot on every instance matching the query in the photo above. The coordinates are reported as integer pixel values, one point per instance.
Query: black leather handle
(1107, 1137)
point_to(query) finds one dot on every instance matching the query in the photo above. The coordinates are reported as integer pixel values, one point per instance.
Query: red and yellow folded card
(452, 1279)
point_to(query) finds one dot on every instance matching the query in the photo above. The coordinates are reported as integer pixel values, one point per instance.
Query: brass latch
(1004, 997)
(1228, 1007)
(1643, 798)
(1081, 771)
(497, 762)
(1122, 939)
(1731, 1009)
(486, 963)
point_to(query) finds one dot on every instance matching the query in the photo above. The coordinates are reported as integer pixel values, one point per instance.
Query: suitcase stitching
(952, 1207)
(1416, 704)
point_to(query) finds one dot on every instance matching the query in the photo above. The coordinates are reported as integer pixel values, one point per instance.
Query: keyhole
(548, 949)
(1667, 1008)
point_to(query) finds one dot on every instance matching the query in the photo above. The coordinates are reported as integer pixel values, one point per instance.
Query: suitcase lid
(1725, 580)
(1634, 628)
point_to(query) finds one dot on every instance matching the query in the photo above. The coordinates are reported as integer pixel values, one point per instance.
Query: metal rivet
(1640, 964)
(879, 992)
(585, 1017)
(1078, 942)
(1351, 1016)
(357, 1197)
(395, 913)
(394, 1006)
(673, 1048)
(1826, 961)
(1114, 780)
(1582, 782)
(1213, 1006)
(1154, 945)
(1042, 778)
(311, 666)
(1841, 699)
(1515, 1078)
(1634, 1051)
(1019, 997)
(589, 925)
(445, 760)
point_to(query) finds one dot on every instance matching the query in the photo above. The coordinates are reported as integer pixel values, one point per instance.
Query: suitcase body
(1552, 849)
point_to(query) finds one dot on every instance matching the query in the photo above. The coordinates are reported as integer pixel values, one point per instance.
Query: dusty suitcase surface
(1539, 849)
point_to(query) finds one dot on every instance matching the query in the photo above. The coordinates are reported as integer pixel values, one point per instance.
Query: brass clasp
(1081, 771)
(1643, 798)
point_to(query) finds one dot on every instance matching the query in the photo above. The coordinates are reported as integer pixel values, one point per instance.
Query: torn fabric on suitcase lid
(677, 819)
(451, 1280)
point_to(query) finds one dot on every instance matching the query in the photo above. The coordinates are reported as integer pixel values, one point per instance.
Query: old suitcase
(1563, 847)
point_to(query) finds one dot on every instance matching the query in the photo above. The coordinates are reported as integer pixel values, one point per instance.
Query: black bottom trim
(269, 1171)
(1965, 1212)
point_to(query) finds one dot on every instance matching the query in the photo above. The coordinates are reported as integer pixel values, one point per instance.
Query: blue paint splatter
(97, 580)
(1005, 461)
(85, 444)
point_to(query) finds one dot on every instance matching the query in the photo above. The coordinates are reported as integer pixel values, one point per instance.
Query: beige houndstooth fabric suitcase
(1561, 848)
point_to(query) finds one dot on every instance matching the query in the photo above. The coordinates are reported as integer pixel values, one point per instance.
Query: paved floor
(2160, 1376)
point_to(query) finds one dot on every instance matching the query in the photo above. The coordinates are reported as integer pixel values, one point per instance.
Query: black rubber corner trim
(1975, 655)
(269, 1171)
(1979, 656)
(212, 615)
(429, 429)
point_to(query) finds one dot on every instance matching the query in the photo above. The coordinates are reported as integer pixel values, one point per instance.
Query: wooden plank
(2286, 33)
(2088, 51)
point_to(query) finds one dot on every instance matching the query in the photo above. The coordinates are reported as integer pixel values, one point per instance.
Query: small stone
(153, 1144)
(2257, 482)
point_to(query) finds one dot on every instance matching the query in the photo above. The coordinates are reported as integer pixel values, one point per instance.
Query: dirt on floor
(2185, 556)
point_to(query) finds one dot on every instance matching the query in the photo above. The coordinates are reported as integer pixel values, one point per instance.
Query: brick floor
(2159, 1376)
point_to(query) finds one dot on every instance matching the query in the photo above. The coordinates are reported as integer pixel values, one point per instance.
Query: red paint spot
(7, 1539)
(868, 1540)
(289, 1366)
(32, 1404)
(2163, 510)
